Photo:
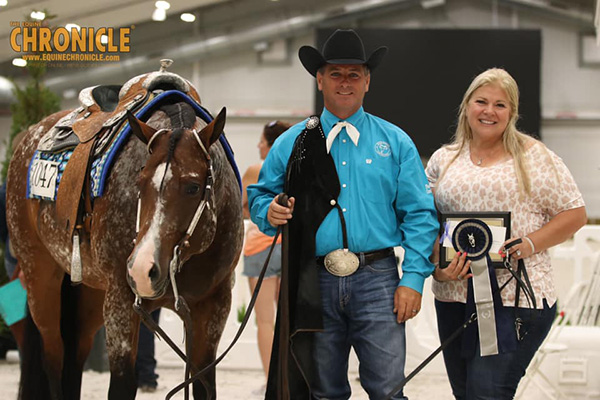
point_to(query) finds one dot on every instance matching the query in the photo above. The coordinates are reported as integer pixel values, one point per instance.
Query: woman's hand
(457, 270)
(518, 251)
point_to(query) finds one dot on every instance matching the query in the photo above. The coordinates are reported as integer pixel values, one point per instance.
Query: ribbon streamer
(474, 237)
(484, 304)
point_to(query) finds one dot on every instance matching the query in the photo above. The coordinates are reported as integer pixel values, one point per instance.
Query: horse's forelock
(173, 139)
(177, 116)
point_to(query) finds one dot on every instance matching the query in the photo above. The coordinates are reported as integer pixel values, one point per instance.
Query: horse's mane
(182, 116)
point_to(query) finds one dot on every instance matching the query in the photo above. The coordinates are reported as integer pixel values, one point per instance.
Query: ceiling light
(19, 62)
(69, 94)
(261, 46)
(72, 26)
(297, 20)
(163, 5)
(216, 40)
(159, 14)
(426, 4)
(188, 17)
(3, 3)
(39, 15)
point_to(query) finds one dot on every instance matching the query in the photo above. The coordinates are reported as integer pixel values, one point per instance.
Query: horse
(174, 165)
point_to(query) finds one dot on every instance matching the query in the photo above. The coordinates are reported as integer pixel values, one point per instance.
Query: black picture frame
(492, 218)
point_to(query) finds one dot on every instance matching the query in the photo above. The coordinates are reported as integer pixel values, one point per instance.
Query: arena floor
(231, 384)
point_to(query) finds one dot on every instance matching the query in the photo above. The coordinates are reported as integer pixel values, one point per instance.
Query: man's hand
(407, 303)
(278, 214)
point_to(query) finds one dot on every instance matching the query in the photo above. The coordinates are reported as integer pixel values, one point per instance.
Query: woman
(256, 249)
(491, 166)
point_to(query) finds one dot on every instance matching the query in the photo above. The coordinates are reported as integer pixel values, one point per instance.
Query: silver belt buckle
(341, 262)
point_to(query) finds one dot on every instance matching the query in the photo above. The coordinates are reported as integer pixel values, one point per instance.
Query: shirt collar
(328, 120)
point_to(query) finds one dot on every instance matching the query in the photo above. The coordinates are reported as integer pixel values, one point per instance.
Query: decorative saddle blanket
(48, 164)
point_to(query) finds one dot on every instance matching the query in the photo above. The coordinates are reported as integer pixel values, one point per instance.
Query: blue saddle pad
(13, 302)
(101, 165)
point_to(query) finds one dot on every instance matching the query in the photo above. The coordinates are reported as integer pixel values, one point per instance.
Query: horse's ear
(211, 132)
(140, 129)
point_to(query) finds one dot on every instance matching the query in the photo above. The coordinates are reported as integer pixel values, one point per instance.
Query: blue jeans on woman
(492, 377)
(358, 313)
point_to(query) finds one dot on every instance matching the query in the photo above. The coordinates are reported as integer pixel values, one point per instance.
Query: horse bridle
(181, 307)
(206, 202)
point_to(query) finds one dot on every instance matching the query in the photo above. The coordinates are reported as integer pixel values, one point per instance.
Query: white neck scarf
(350, 129)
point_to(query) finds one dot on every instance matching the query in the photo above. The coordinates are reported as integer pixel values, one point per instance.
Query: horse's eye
(192, 189)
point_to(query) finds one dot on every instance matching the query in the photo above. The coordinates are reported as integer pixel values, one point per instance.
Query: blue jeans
(358, 313)
(491, 377)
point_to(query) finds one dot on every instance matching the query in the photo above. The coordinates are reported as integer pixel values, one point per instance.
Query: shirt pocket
(376, 177)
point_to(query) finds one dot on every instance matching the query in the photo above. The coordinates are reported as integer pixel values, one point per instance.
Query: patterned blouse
(468, 187)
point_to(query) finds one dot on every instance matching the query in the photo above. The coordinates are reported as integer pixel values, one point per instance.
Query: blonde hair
(512, 139)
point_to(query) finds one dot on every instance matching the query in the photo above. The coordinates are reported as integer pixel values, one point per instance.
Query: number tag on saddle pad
(42, 178)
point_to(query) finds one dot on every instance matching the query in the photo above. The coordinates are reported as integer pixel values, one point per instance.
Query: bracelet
(530, 243)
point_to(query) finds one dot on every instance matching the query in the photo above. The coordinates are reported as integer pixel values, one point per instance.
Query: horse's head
(176, 212)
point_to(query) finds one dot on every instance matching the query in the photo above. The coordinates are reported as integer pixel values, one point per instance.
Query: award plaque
(473, 235)
(479, 236)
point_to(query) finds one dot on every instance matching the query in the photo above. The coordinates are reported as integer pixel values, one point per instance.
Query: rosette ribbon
(474, 237)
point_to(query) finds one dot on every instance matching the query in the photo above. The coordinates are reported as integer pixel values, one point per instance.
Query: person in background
(8, 341)
(492, 166)
(256, 249)
(10, 262)
(358, 189)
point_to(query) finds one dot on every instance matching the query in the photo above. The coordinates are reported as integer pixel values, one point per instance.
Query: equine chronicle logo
(383, 149)
(44, 44)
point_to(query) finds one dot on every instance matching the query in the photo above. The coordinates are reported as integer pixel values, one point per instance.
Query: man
(357, 184)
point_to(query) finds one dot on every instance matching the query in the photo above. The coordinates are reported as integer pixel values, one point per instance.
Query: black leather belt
(367, 258)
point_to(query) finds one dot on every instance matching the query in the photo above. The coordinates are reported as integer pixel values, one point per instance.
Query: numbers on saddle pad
(42, 179)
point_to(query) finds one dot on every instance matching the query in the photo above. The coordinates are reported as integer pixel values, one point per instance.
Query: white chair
(581, 308)
(551, 346)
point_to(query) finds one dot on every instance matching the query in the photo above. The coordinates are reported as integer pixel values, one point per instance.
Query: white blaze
(145, 251)
(158, 175)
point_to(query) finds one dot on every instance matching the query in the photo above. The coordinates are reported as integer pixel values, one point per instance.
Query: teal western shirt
(384, 194)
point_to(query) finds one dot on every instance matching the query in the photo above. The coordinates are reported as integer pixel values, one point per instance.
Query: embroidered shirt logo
(383, 149)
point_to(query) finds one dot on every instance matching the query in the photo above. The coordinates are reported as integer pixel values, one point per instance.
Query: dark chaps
(312, 179)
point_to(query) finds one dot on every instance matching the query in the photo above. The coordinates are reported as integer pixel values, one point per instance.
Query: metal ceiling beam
(572, 15)
(194, 49)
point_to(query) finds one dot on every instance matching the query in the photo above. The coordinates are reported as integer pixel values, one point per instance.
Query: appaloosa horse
(178, 166)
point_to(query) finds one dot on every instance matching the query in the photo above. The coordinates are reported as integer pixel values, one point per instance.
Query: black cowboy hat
(344, 46)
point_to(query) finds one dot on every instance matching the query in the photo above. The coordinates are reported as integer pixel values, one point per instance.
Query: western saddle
(89, 129)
